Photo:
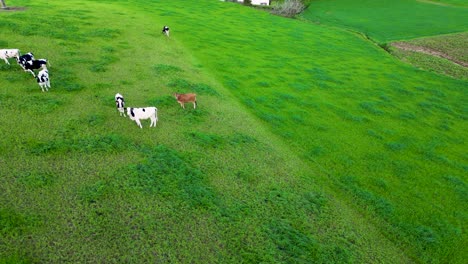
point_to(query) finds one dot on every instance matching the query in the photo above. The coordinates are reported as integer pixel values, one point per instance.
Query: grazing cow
(143, 113)
(165, 30)
(186, 98)
(34, 65)
(5, 54)
(120, 103)
(25, 58)
(43, 79)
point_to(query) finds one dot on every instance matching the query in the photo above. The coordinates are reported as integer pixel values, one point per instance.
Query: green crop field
(385, 21)
(309, 144)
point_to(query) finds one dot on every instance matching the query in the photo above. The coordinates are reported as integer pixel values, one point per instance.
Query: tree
(3, 4)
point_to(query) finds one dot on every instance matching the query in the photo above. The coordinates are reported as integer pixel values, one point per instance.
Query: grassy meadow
(310, 144)
(453, 46)
(385, 21)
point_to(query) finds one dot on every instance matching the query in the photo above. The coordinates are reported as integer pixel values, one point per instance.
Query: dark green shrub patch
(16, 258)
(396, 146)
(315, 202)
(377, 203)
(103, 63)
(169, 175)
(202, 88)
(374, 134)
(14, 223)
(184, 86)
(162, 69)
(37, 178)
(92, 193)
(458, 185)
(239, 139)
(207, 140)
(95, 120)
(294, 246)
(371, 107)
(163, 101)
(65, 79)
(35, 103)
(194, 116)
(108, 143)
(426, 236)
(407, 116)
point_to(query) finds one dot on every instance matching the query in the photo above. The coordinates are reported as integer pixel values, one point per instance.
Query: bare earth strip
(409, 47)
(434, 3)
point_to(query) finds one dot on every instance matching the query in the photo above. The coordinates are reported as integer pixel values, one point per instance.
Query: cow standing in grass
(138, 114)
(186, 98)
(120, 104)
(43, 79)
(32, 65)
(25, 58)
(165, 30)
(5, 54)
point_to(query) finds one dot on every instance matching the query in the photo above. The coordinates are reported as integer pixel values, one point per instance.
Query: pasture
(317, 147)
(400, 20)
(450, 54)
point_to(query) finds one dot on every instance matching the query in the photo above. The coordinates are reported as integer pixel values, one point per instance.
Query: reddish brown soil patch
(429, 51)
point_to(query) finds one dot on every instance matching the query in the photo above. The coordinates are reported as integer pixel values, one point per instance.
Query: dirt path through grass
(433, 3)
(429, 51)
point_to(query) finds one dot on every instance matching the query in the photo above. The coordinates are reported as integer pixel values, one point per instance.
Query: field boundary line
(428, 51)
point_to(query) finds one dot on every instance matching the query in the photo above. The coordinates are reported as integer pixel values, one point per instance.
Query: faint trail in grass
(434, 3)
(429, 51)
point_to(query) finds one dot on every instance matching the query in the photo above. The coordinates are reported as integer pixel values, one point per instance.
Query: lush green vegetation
(453, 45)
(385, 21)
(444, 54)
(315, 147)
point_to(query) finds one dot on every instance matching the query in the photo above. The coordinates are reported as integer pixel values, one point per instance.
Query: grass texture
(385, 21)
(451, 54)
(317, 147)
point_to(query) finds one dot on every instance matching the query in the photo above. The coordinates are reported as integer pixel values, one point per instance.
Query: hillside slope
(390, 137)
(211, 185)
(386, 21)
(266, 169)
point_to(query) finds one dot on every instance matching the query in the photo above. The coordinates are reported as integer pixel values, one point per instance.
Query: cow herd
(29, 64)
(140, 113)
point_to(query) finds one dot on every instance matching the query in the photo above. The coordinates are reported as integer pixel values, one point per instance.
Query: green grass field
(450, 49)
(385, 21)
(309, 144)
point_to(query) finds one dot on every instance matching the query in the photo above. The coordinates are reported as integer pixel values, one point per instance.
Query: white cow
(138, 114)
(120, 103)
(5, 54)
(43, 79)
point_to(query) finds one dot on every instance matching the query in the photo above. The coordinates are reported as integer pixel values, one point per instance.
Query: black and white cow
(25, 58)
(120, 103)
(34, 65)
(43, 79)
(5, 54)
(138, 114)
(165, 30)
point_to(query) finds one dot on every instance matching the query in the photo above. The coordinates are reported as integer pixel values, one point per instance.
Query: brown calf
(186, 98)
